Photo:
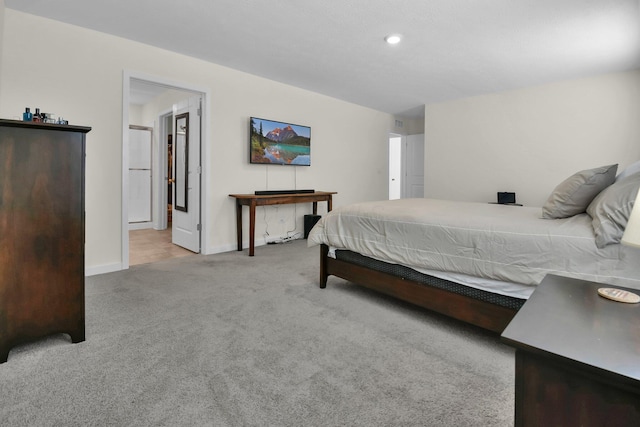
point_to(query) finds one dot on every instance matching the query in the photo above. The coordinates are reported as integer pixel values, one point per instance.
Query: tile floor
(151, 245)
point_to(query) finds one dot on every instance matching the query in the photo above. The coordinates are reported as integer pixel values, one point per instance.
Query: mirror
(181, 156)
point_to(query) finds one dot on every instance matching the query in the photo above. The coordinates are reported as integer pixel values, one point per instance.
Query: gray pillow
(611, 209)
(573, 195)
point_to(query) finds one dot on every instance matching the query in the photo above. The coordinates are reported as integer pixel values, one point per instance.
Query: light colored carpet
(232, 340)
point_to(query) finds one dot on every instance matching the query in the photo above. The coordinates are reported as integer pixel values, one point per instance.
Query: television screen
(279, 143)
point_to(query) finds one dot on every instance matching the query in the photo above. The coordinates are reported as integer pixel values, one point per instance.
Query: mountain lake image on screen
(279, 143)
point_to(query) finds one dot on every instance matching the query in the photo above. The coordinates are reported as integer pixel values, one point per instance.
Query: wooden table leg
(239, 223)
(252, 226)
(252, 201)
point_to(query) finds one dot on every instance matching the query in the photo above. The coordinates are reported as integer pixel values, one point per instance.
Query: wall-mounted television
(279, 143)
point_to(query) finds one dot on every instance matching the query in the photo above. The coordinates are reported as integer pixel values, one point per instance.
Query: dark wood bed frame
(483, 314)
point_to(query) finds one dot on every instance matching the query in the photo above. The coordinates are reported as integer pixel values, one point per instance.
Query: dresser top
(49, 126)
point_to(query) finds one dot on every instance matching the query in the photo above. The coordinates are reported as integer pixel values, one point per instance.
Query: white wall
(410, 126)
(2, 9)
(529, 140)
(135, 115)
(82, 81)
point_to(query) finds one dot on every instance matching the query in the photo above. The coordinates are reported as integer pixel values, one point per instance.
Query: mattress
(508, 244)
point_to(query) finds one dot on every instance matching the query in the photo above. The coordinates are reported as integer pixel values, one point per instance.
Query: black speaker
(309, 222)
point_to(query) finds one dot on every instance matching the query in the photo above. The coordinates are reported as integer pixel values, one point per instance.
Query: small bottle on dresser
(27, 116)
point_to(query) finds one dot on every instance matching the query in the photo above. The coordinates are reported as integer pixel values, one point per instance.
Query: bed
(476, 262)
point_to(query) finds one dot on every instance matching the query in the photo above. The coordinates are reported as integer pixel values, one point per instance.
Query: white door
(185, 225)
(414, 163)
(395, 167)
(139, 174)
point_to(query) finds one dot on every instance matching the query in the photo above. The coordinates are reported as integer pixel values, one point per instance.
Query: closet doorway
(140, 173)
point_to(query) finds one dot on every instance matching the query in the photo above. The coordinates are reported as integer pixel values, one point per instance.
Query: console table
(253, 200)
(577, 357)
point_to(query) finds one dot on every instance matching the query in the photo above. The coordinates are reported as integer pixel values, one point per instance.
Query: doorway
(155, 102)
(149, 245)
(395, 166)
(140, 173)
(406, 166)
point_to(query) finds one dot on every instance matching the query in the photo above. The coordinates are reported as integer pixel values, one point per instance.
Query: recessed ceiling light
(393, 38)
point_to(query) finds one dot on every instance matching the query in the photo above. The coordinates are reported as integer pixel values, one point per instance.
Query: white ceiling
(451, 48)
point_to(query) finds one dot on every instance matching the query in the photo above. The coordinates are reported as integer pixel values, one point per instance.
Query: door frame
(205, 149)
(162, 159)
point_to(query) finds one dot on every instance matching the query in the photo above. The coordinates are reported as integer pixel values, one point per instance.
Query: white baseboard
(232, 247)
(245, 245)
(229, 247)
(101, 269)
(109, 268)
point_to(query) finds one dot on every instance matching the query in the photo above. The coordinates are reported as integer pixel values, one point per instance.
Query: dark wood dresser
(41, 232)
(577, 357)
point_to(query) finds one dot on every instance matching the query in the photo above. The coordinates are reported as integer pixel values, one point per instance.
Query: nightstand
(577, 357)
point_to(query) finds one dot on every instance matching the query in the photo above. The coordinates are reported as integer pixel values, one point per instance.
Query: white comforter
(498, 242)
